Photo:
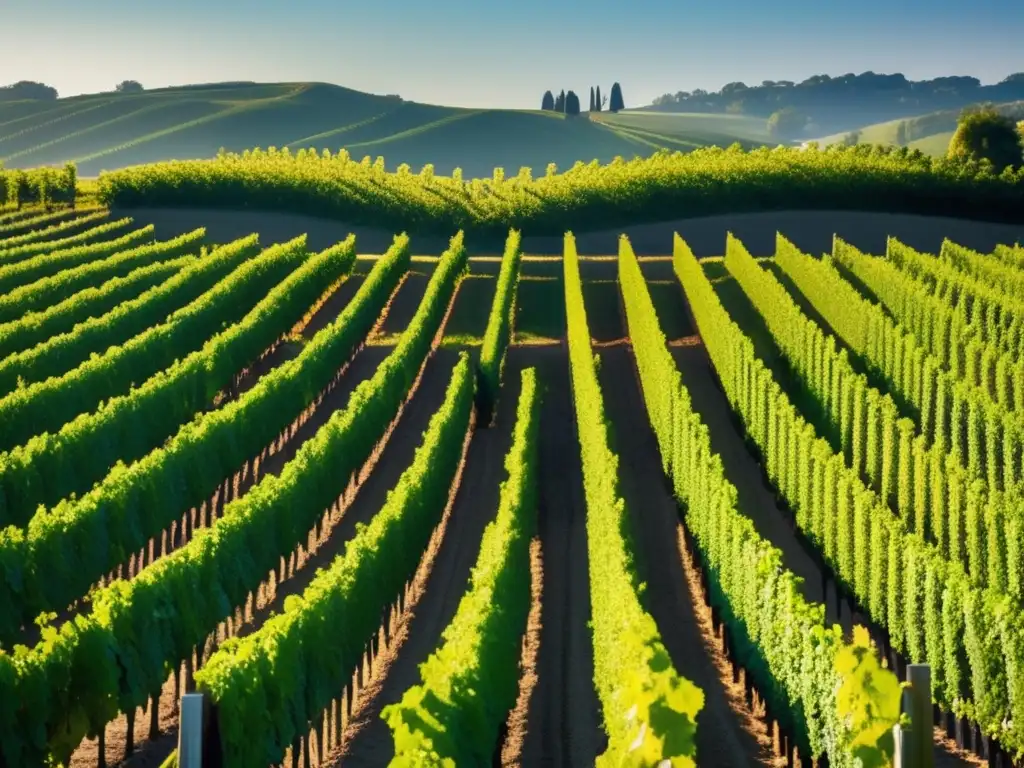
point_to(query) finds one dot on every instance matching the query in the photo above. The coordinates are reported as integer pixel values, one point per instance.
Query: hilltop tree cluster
(569, 103)
(28, 89)
(840, 103)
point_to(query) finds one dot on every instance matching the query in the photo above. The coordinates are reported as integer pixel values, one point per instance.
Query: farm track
(725, 735)
(151, 752)
(563, 725)
(181, 531)
(367, 739)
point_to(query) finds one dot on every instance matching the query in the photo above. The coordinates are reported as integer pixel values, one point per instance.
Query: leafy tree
(985, 134)
(28, 89)
(560, 102)
(1016, 77)
(591, 98)
(548, 102)
(572, 103)
(598, 100)
(852, 138)
(615, 102)
(129, 86)
(786, 123)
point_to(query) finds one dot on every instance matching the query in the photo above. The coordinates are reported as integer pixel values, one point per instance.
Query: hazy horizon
(458, 53)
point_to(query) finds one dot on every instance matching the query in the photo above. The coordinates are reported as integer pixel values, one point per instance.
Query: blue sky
(482, 53)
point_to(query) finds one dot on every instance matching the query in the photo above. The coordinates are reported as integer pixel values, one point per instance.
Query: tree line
(568, 102)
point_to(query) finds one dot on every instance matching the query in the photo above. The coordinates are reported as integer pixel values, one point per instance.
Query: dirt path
(407, 300)
(367, 740)
(564, 727)
(722, 739)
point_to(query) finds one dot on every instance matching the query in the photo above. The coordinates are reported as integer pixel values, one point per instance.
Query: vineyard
(457, 509)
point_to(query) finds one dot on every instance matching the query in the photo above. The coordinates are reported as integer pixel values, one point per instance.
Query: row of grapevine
(31, 219)
(998, 318)
(585, 196)
(1012, 255)
(955, 416)
(969, 636)
(943, 331)
(45, 293)
(39, 185)
(470, 683)
(61, 553)
(118, 656)
(13, 249)
(650, 712)
(21, 274)
(499, 330)
(271, 686)
(61, 228)
(130, 426)
(1003, 278)
(63, 352)
(927, 486)
(37, 327)
(782, 640)
(45, 406)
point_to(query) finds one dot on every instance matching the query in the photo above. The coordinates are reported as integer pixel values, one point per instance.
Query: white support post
(190, 732)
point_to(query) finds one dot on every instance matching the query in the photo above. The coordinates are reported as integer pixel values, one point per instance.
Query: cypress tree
(560, 102)
(615, 102)
(591, 98)
(599, 105)
(572, 103)
(548, 102)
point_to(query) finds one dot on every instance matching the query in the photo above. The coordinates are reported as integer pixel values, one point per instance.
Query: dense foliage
(45, 406)
(499, 330)
(968, 634)
(61, 553)
(271, 686)
(985, 134)
(16, 273)
(119, 655)
(61, 352)
(453, 717)
(35, 327)
(650, 712)
(775, 630)
(660, 188)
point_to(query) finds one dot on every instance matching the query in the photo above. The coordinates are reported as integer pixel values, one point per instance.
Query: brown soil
(406, 301)
(472, 307)
(516, 728)
(564, 725)
(367, 740)
(722, 739)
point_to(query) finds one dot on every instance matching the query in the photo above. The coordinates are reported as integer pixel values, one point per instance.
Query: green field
(350, 474)
(109, 131)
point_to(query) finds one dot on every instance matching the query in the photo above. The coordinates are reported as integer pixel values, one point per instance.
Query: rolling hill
(113, 130)
(930, 133)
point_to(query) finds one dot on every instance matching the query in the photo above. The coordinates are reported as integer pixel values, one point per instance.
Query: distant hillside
(930, 133)
(114, 130)
(839, 104)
